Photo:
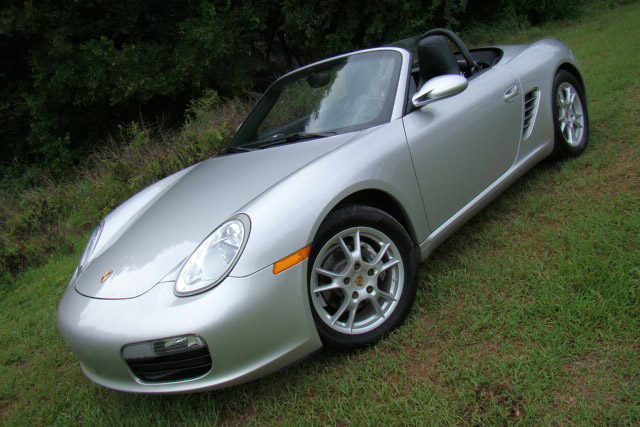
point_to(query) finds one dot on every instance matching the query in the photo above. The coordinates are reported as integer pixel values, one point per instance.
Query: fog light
(160, 348)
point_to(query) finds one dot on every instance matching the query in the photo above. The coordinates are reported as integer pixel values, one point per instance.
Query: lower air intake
(171, 359)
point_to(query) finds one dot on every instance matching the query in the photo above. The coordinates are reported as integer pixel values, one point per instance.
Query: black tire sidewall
(365, 216)
(561, 149)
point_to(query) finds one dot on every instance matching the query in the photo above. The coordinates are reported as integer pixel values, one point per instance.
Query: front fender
(286, 217)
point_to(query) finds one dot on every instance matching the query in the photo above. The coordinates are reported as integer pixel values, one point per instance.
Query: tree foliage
(71, 71)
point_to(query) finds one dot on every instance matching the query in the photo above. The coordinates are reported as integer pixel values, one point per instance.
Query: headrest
(435, 58)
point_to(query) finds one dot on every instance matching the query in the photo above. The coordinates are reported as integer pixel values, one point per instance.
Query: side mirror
(439, 87)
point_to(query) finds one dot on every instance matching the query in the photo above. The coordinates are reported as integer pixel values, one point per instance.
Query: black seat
(435, 58)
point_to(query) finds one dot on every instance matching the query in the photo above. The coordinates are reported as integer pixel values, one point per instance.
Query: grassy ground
(530, 314)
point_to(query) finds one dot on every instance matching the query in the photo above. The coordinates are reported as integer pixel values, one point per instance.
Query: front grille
(530, 112)
(157, 361)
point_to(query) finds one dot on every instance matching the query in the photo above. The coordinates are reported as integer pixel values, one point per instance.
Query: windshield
(342, 95)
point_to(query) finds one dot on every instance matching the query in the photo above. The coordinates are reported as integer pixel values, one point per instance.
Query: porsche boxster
(308, 230)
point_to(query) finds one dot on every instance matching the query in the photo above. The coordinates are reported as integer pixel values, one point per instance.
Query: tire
(570, 117)
(358, 296)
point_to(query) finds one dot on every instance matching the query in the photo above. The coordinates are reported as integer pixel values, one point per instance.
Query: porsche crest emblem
(359, 280)
(106, 275)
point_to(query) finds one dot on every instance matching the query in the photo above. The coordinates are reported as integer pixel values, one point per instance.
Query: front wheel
(362, 276)
(571, 121)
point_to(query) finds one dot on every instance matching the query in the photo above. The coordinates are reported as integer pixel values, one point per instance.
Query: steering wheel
(471, 63)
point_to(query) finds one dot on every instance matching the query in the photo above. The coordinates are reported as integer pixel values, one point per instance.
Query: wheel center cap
(359, 280)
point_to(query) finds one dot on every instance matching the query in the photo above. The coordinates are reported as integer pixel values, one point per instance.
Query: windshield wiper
(232, 150)
(295, 137)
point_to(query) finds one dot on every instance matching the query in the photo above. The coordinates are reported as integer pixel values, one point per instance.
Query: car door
(462, 144)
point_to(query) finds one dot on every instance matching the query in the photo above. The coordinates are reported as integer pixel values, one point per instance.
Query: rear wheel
(362, 276)
(571, 121)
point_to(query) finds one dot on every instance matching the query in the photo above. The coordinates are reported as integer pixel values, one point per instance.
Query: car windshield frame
(326, 79)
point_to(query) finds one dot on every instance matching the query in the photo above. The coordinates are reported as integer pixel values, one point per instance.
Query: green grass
(530, 314)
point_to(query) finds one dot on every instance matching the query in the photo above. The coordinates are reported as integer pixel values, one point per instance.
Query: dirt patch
(622, 176)
(591, 380)
(5, 410)
(421, 367)
(490, 396)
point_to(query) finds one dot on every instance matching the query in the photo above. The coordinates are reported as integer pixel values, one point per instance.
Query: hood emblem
(106, 275)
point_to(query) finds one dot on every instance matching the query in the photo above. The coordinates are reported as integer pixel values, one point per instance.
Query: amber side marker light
(291, 260)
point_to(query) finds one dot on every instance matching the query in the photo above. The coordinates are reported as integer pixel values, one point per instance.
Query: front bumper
(253, 326)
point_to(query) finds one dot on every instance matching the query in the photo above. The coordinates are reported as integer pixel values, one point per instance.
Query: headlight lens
(88, 250)
(213, 260)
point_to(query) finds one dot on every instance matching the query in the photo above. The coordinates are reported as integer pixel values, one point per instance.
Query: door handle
(511, 94)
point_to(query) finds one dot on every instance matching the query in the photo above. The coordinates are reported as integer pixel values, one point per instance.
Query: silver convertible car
(308, 230)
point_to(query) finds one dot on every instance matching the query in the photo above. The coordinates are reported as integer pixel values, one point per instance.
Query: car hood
(151, 234)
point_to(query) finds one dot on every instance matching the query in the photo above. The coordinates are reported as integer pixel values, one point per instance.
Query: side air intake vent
(531, 101)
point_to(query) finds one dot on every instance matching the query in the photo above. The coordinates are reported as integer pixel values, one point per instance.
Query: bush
(42, 221)
(70, 72)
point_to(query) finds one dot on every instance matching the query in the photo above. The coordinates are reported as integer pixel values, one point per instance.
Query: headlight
(213, 260)
(88, 250)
